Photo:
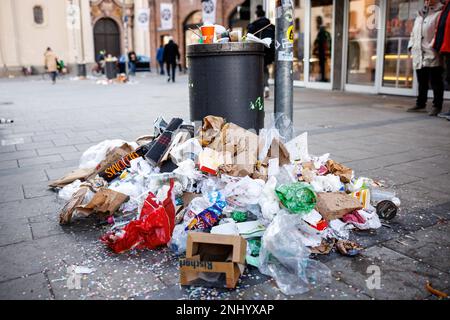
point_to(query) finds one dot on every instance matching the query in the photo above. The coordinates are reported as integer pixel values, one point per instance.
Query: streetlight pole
(125, 30)
(284, 81)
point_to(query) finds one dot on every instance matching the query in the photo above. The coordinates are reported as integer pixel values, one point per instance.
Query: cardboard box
(213, 253)
(335, 205)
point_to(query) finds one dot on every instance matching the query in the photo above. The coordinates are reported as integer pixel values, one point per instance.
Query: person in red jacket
(442, 44)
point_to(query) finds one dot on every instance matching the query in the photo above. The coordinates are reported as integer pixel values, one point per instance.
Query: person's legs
(422, 79)
(174, 70)
(161, 66)
(168, 70)
(53, 75)
(266, 82)
(437, 84)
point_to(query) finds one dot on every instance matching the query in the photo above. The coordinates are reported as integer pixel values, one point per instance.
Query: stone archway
(107, 37)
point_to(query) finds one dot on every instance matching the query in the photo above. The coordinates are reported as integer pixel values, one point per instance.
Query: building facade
(366, 39)
(78, 29)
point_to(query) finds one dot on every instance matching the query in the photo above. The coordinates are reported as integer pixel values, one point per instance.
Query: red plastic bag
(153, 229)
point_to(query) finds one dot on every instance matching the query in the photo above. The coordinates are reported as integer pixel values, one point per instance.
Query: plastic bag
(152, 229)
(284, 257)
(328, 183)
(189, 150)
(179, 239)
(364, 220)
(268, 201)
(95, 154)
(297, 197)
(68, 191)
(298, 148)
(244, 191)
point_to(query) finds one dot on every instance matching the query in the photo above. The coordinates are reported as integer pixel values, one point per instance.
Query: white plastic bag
(269, 202)
(68, 191)
(284, 257)
(189, 149)
(246, 191)
(95, 154)
(298, 148)
(328, 183)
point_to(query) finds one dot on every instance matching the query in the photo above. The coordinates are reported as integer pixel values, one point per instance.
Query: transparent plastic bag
(284, 257)
(179, 238)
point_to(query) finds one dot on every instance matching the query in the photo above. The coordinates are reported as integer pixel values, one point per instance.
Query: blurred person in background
(426, 60)
(171, 56)
(51, 64)
(442, 44)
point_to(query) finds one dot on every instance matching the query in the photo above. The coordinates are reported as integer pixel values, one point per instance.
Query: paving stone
(19, 176)
(8, 164)
(4, 149)
(56, 150)
(69, 141)
(33, 287)
(38, 161)
(17, 155)
(14, 230)
(31, 207)
(430, 246)
(38, 189)
(11, 193)
(54, 174)
(401, 276)
(38, 255)
(35, 145)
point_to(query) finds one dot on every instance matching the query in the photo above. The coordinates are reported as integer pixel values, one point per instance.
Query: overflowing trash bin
(225, 198)
(110, 69)
(227, 80)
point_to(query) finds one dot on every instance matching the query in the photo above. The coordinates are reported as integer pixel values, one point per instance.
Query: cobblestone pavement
(55, 124)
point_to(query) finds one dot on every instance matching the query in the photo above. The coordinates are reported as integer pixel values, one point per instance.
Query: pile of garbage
(210, 33)
(224, 180)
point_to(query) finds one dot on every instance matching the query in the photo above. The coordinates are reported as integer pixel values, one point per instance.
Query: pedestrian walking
(442, 44)
(51, 63)
(171, 55)
(260, 23)
(160, 59)
(426, 60)
(322, 48)
(132, 62)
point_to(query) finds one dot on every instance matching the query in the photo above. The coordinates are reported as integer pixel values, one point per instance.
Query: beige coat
(422, 39)
(50, 61)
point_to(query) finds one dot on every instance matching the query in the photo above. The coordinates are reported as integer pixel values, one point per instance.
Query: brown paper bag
(65, 216)
(340, 170)
(335, 205)
(105, 201)
(77, 174)
(210, 129)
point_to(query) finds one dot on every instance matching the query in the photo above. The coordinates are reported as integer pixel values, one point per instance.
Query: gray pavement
(370, 133)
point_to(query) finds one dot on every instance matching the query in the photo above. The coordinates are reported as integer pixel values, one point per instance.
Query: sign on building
(209, 11)
(143, 18)
(166, 13)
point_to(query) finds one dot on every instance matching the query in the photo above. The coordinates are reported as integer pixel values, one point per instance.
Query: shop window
(38, 15)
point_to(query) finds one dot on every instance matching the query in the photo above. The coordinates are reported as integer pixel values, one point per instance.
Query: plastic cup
(208, 33)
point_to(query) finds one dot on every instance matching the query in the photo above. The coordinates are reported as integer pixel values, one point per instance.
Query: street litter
(225, 199)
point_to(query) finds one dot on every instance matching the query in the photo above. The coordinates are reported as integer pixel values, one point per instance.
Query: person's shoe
(266, 92)
(445, 115)
(416, 109)
(434, 112)
(168, 80)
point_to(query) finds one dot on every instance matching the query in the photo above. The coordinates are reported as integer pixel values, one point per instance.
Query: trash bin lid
(230, 48)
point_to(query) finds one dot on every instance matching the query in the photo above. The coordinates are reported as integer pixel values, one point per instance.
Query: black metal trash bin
(82, 70)
(110, 70)
(227, 80)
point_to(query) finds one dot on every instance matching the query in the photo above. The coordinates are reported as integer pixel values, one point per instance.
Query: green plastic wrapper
(297, 197)
(239, 216)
